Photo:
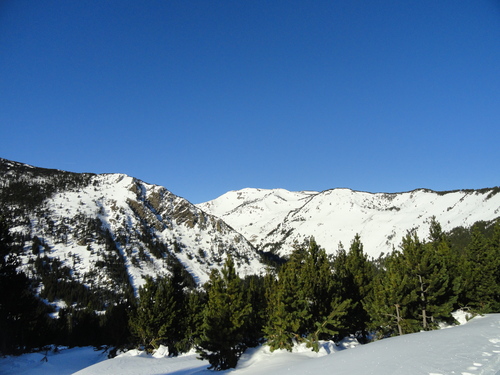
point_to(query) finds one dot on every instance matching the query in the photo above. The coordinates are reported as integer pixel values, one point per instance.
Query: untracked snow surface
(276, 219)
(472, 348)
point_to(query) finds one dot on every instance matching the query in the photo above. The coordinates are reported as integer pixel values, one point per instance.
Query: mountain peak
(275, 219)
(84, 219)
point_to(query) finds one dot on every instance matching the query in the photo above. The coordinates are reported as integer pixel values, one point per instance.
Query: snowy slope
(72, 215)
(274, 219)
(129, 207)
(473, 348)
(255, 211)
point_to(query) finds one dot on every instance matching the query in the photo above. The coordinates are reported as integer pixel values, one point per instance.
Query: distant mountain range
(104, 228)
(273, 220)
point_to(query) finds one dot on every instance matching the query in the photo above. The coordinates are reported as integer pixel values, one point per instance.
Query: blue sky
(204, 97)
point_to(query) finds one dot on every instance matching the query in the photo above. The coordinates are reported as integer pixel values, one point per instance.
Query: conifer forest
(307, 297)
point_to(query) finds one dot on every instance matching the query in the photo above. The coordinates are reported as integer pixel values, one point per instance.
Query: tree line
(308, 298)
(315, 297)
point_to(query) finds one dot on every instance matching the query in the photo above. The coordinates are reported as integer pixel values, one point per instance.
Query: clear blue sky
(204, 97)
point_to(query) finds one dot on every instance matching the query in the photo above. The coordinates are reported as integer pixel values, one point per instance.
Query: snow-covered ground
(472, 348)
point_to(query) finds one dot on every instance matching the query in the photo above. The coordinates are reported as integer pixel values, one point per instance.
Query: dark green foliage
(23, 317)
(78, 327)
(271, 259)
(168, 311)
(475, 265)
(177, 248)
(114, 262)
(480, 267)
(255, 287)
(325, 327)
(181, 276)
(460, 237)
(114, 325)
(416, 290)
(302, 303)
(26, 319)
(389, 305)
(446, 275)
(225, 319)
(154, 321)
(35, 247)
(288, 309)
(191, 319)
(428, 280)
(353, 275)
(58, 284)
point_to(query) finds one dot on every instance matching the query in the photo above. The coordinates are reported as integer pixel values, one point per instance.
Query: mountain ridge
(252, 219)
(357, 210)
(86, 220)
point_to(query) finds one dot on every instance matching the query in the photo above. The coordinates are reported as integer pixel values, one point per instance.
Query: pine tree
(442, 247)
(415, 291)
(353, 276)
(288, 307)
(494, 250)
(254, 287)
(114, 325)
(388, 304)
(225, 318)
(155, 319)
(192, 319)
(303, 305)
(429, 279)
(316, 278)
(181, 333)
(24, 320)
(446, 274)
(329, 324)
(479, 265)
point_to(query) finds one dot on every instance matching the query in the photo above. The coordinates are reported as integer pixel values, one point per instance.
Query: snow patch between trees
(473, 348)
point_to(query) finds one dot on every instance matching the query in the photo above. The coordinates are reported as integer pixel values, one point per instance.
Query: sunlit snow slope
(84, 219)
(473, 348)
(274, 219)
(255, 212)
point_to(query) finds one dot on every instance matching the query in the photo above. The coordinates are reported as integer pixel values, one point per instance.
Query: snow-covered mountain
(103, 225)
(274, 219)
(103, 228)
(256, 212)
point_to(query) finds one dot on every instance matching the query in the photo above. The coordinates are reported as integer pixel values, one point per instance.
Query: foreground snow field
(473, 348)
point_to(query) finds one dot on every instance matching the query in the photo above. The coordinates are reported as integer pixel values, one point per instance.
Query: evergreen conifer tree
(254, 287)
(155, 319)
(225, 319)
(388, 304)
(303, 305)
(353, 276)
(442, 247)
(494, 250)
(429, 280)
(479, 265)
(288, 308)
(24, 320)
(416, 284)
(192, 319)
